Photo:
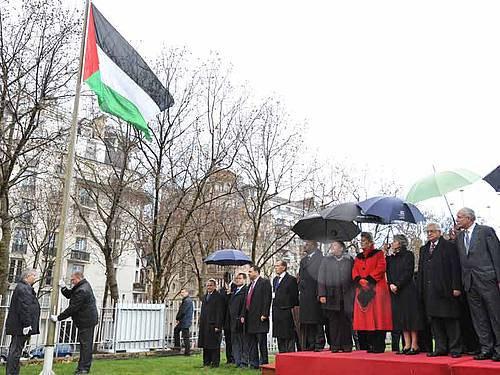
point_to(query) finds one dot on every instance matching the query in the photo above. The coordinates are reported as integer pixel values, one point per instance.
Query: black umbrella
(493, 178)
(349, 212)
(316, 228)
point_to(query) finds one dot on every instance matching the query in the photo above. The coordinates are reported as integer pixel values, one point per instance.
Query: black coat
(211, 317)
(185, 313)
(260, 306)
(286, 296)
(407, 312)
(438, 275)
(236, 310)
(24, 311)
(336, 284)
(82, 307)
(310, 308)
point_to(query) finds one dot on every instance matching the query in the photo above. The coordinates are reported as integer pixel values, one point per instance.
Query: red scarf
(368, 251)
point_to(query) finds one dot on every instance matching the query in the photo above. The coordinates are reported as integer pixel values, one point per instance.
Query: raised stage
(362, 363)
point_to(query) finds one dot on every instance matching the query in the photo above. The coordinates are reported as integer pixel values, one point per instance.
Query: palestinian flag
(124, 84)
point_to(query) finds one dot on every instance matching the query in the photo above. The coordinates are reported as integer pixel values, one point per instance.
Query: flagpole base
(48, 360)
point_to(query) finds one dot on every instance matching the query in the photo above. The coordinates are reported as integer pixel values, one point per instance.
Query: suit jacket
(482, 262)
(260, 306)
(236, 309)
(310, 309)
(438, 275)
(286, 296)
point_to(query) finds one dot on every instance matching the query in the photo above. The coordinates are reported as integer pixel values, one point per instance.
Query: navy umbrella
(228, 257)
(391, 209)
(349, 212)
(493, 178)
(316, 228)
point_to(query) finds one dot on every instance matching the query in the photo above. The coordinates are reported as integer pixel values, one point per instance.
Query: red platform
(362, 363)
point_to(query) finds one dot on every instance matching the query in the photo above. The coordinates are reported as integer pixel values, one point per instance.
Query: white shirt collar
(282, 275)
(471, 229)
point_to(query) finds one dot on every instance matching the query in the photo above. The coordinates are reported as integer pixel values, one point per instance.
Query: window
(85, 198)
(19, 241)
(91, 150)
(26, 212)
(81, 244)
(15, 269)
(51, 244)
(49, 274)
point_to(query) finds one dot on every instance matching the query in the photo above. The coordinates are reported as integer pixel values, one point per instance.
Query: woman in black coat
(407, 315)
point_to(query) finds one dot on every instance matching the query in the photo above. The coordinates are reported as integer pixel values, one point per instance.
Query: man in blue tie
(479, 250)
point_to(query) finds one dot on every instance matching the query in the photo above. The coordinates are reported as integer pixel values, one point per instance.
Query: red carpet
(362, 363)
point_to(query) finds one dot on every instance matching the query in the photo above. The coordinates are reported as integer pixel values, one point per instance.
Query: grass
(175, 365)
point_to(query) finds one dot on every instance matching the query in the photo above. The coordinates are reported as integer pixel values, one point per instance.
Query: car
(61, 350)
(4, 352)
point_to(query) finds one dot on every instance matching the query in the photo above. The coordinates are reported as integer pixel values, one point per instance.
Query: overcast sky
(396, 86)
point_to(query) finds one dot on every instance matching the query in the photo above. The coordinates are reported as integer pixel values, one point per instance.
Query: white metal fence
(125, 328)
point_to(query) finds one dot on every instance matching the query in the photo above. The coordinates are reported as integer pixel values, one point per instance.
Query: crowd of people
(354, 301)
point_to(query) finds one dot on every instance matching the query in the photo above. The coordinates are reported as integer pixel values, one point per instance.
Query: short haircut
(401, 238)
(185, 290)
(27, 272)
(283, 263)
(212, 281)
(367, 235)
(255, 268)
(468, 212)
(433, 226)
(341, 243)
(242, 274)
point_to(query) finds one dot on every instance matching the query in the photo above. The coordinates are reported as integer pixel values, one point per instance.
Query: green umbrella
(440, 183)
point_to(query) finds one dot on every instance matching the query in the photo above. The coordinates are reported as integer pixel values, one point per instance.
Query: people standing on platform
(82, 310)
(235, 316)
(211, 325)
(372, 305)
(407, 315)
(479, 251)
(310, 313)
(184, 319)
(257, 309)
(336, 295)
(22, 319)
(440, 286)
(286, 297)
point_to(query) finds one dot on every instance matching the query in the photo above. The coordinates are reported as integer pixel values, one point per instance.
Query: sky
(396, 87)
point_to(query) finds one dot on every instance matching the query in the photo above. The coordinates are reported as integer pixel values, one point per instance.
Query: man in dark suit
(184, 320)
(235, 318)
(286, 296)
(439, 285)
(211, 324)
(479, 251)
(310, 314)
(22, 319)
(82, 310)
(257, 308)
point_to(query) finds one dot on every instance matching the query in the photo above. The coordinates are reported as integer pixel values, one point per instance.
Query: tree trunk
(111, 278)
(157, 290)
(4, 253)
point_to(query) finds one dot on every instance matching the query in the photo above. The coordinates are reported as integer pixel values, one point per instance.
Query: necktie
(249, 296)
(208, 296)
(467, 242)
(433, 246)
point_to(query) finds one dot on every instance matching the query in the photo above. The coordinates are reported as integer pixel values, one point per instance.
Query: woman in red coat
(372, 305)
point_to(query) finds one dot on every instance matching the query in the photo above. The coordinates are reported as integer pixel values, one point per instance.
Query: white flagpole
(68, 178)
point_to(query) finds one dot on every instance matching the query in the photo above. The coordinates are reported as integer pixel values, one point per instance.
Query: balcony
(19, 248)
(139, 287)
(80, 255)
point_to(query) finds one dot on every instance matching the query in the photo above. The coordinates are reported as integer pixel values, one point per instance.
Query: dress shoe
(378, 351)
(455, 355)
(473, 352)
(495, 357)
(482, 356)
(403, 351)
(413, 351)
(334, 350)
(347, 350)
(436, 354)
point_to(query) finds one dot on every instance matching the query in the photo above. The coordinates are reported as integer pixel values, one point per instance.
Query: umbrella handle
(449, 208)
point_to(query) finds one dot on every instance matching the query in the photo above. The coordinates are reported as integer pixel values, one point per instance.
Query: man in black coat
(310, 314)
(235, 319)
(286, 296)
(479, 251)
(22, 319)
(257, 308)
(184, 319)
(82, 310)
(439, 284)
(225, 292)
(211, 325)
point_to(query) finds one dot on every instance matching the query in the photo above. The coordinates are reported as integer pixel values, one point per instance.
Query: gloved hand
(363, 282)
(26, 330)
(53, 318)
(62, 284)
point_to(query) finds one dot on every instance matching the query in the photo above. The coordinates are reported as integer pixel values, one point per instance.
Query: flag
(124, 84)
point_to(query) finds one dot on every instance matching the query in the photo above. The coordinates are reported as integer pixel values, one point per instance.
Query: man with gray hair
(22, 320)
(479, 250)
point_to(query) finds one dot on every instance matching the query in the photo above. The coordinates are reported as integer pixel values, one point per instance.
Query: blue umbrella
(228, 257)
(391, 209)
